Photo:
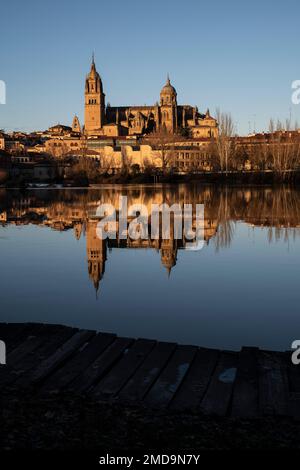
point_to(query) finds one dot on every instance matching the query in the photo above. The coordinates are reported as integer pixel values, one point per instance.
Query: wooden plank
(245, 393)
(9, 332)
(33, 338)
(273, 384)
(28, 344)
(293, 406)
(217, 397)
(112, 383)
(171, 377)
(196, 381)
(78, 364)
(18, 332)
(139, 384)
(22, 355)
(293, 371)
(53, 341)
(101, 365)
(3, 327)
(63, 353)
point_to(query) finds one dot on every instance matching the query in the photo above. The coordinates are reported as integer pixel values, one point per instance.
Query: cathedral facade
(103, 120)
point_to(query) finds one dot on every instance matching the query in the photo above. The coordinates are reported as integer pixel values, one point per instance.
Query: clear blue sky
(239, 56)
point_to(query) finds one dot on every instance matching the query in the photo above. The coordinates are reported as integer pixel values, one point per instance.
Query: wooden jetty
(45, 359)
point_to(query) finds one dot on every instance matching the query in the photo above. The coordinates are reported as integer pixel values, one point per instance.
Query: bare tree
(284, 149)
(163, 145)
(106, 163)
(58, 149)
(126, 162)
(224, 140)
(85, 168)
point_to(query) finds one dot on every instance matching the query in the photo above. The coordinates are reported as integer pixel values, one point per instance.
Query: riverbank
(216, 178)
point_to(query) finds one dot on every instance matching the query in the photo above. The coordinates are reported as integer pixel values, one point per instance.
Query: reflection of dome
(168, 89)
(168, 258)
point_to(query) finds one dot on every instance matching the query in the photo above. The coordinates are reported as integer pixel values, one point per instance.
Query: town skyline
(208, 65)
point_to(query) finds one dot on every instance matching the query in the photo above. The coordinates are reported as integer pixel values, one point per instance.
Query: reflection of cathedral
(97, 248)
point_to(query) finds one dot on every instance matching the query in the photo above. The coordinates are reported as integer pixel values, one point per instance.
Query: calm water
(242, 288)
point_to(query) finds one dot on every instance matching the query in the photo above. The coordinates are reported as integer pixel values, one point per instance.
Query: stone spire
(76, 124)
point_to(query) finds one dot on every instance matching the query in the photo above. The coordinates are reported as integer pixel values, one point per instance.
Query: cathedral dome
(168, 95)
(168, 89)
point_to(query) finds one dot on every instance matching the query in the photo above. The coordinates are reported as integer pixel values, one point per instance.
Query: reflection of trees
(224, 234)
(277, 209)
(225, 229)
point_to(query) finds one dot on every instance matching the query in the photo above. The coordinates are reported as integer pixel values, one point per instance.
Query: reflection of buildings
(278, 210)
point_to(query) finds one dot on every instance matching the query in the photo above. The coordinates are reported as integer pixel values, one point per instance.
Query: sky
(241, 57)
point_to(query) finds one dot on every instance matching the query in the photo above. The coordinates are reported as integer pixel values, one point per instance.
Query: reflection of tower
(169, 249)
(96, 254)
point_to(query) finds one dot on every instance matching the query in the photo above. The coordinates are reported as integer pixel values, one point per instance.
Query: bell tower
(168, 107)
(94, 115)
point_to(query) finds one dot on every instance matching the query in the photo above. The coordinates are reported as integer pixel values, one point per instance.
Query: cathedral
(104, 120)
